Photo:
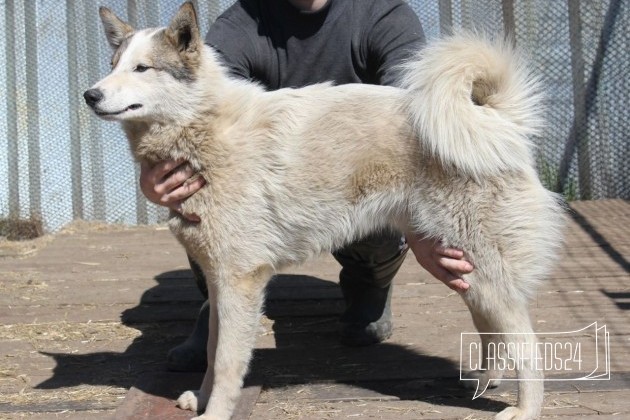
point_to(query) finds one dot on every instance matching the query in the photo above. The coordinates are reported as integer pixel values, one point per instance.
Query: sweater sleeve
(395, 34)
(232, 42)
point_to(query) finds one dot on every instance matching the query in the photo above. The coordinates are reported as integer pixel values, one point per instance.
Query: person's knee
(374, 260)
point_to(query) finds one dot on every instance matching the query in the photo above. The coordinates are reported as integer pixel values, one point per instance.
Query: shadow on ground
(307, 349)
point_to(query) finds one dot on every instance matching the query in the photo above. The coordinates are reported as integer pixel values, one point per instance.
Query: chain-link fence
(59, 163)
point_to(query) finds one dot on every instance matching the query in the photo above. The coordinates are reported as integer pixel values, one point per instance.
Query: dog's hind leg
(239, 302)
(530, 385)
(509, 319)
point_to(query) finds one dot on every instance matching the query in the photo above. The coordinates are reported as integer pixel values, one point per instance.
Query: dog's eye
(141, 68)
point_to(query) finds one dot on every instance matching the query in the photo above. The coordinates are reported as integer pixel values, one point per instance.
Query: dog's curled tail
(474, 104)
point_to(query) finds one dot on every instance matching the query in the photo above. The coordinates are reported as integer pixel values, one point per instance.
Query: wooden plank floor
(88, 317)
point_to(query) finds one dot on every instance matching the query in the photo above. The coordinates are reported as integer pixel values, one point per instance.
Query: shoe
(191, 355)
(368, 316)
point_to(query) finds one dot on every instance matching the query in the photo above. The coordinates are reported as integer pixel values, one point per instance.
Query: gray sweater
(348, 41)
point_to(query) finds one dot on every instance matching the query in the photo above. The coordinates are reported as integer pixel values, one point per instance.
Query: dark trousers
(374, 260)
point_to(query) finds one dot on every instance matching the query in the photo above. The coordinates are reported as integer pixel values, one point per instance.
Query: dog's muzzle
(92, 97)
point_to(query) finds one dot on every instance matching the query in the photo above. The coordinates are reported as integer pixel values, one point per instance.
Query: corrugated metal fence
(59, 163)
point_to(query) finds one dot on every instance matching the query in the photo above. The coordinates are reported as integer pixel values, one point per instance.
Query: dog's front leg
(198, 400)
(238, 302)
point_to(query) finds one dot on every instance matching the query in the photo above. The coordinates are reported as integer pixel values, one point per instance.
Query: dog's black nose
(92, 96)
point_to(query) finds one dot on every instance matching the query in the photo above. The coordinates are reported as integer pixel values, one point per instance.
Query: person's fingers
(156, 173)
(455, 266)
(445, 276)
(161, 169)
(458, 285)
(445, 264)
(191, 217)
(451, 280)
(174, 178)
(151, 178)
(449, 252)
(185, 190)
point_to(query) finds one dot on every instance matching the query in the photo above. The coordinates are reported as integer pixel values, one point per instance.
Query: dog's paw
(482, 377)
(514, 413)
(189, 401)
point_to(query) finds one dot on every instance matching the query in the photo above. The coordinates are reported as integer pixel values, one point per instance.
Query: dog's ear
(115, 29)
(183, 30)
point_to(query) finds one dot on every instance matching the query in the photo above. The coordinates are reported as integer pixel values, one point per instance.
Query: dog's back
(312, 171)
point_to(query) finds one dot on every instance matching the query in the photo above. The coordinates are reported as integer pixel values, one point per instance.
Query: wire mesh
(59, 163)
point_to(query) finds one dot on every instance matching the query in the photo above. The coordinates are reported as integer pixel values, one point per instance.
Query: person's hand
(169, 183)
(445, 264)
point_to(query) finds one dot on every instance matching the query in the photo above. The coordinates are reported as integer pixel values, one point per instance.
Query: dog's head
(153, 70)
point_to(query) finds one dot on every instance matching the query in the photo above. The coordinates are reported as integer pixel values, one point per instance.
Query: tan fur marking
(482, 90)
(166, 57)
(376, 177)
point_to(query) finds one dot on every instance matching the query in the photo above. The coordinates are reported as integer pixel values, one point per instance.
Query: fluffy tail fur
(474, 104)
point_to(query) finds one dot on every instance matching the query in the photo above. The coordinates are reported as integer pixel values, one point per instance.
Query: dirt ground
(89, 314)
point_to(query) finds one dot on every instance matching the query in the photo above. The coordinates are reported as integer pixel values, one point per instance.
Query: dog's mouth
(132, 107)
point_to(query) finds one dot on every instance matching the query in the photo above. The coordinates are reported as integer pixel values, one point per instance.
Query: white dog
(297, 172)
